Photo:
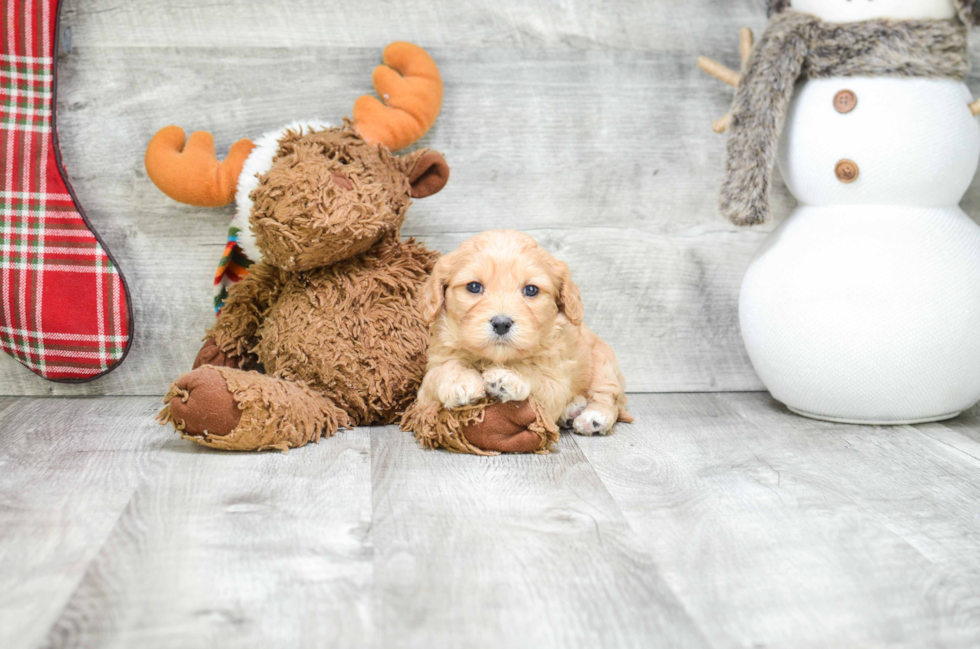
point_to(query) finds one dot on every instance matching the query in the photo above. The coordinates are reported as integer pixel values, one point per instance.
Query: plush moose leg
(238, 410)
(484, 428)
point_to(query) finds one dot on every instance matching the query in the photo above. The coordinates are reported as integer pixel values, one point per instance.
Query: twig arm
(719, 71)
(746, 41)
(975, 107)
(721, 125)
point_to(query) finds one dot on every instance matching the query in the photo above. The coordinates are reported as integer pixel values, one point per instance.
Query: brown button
(845, 101)
(846, 171)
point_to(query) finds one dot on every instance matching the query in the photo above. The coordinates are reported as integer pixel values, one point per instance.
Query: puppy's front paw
(506, 385)
(593, 422)
(574, 408)
(464, 390)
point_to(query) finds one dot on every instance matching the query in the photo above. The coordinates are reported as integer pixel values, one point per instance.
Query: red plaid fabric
(64, 308)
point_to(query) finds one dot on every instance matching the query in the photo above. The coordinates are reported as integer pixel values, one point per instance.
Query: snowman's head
(846, 11)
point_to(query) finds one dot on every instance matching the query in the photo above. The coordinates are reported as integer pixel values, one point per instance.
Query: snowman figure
(863, 306)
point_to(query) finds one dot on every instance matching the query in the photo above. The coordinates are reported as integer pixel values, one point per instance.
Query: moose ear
(429, 174)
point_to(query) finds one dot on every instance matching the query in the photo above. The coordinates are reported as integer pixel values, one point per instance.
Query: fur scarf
(799, 46)
(969, 10)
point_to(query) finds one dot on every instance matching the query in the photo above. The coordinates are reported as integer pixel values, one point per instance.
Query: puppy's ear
(433, 293)
(569, 298)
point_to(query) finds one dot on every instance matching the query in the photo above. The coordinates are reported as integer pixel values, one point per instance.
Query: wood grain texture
(583, 122)
(715, 520)
(776, 530)
(68, 468)
(512, 551)
(579, 24)
(243, 550)
(115, 532)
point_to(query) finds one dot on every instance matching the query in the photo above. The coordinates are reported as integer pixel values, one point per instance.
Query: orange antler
(411, 86)
(191, 173)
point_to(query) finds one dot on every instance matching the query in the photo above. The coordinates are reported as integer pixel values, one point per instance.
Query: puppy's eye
(531, 290)
(475, 288)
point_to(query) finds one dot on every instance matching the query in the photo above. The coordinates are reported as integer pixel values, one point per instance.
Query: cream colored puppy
(506, 322)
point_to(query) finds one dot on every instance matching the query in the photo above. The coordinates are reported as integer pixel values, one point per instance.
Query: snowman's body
(864, 305)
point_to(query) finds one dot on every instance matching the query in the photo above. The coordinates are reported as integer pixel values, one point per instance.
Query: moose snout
(501, 324)
(341, 180)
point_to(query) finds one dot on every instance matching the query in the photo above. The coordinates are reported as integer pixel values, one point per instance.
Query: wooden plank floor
(715, 520)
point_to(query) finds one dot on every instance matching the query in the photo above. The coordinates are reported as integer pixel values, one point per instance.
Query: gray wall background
(583, 122)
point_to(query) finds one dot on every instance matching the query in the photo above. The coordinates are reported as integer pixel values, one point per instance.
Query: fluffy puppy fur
(492, 335)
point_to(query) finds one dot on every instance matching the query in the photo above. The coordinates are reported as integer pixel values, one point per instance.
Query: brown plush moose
(323, 331)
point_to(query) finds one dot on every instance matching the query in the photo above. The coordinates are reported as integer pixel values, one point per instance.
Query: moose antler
(190, 173)
(411, 87)
(746, 41)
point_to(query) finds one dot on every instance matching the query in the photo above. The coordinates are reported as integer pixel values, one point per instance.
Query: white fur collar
(259, 161)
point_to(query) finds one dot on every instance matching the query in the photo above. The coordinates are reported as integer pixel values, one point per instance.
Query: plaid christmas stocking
(64, 307)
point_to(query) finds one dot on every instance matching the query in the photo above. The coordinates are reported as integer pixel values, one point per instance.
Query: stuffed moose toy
(322, 331)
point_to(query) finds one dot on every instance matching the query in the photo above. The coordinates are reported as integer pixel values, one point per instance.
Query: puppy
(506, 321)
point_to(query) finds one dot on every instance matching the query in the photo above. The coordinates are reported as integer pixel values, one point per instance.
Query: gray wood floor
(716, 520)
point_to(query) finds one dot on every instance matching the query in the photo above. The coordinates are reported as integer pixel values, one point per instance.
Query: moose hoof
(209, 408)
(504, 429)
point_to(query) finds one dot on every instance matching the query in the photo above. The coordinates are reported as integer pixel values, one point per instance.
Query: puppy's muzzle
(501, 324)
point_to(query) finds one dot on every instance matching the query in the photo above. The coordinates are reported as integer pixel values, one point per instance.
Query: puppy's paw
(593, 422)
(506, 385)
(466, 389)
(572, 410)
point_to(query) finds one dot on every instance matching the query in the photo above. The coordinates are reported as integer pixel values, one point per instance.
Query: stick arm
(746, 42)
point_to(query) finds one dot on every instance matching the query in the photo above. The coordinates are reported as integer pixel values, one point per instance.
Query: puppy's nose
(501, 324)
